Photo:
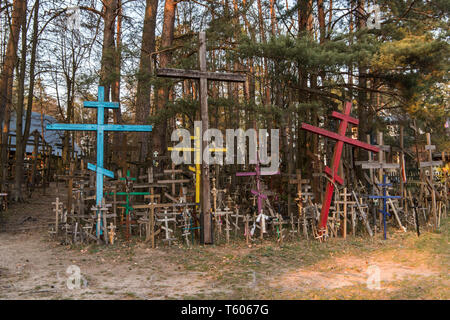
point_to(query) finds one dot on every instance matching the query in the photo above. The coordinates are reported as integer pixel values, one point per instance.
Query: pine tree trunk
(273, 19)
(321, 18)
(365, 119)
(159, 134)
(144, 86)
(264, 82)
(115, 90)
(107, 71)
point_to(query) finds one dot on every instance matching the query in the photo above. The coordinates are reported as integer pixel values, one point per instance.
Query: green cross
(127, 206)
(191, 228)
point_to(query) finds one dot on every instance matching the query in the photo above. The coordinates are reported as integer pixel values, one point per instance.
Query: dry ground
(33, 266)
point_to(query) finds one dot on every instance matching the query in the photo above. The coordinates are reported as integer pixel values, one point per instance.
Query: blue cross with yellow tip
(100, 127)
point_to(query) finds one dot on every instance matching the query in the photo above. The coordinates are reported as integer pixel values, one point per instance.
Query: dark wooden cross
(299, 182)
(317, 171)
(430, 164)
(333, 171)
(203, 76)
(381, 164)
(345, 205)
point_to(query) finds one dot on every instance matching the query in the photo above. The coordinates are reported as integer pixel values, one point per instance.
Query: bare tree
(6, 77)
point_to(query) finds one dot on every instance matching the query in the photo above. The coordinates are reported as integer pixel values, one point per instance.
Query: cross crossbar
(196, 74)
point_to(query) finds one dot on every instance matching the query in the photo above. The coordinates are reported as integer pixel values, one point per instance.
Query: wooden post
(397, 218)
(345, 213)
(104, 223)
(236, 223)
(70, 188)
(152, 223)
(247, 229)
(380, 171)
(151, 219)
(363, 214)
(353, 221)
(112, 233)
(227, 225)
(433, 193)
(35, 157)
(214, 192)
(402, 168)
(205, 194)
(115, 201)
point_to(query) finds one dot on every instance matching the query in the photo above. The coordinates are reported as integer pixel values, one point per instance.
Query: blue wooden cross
(385, 197)
(100, 127)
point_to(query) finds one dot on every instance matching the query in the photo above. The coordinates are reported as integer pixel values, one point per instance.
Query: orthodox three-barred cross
(100, 127)
(333, 171)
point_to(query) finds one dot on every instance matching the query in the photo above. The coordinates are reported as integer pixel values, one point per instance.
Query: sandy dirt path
(35, 266)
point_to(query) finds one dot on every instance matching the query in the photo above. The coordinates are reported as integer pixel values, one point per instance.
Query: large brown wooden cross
(203, 76)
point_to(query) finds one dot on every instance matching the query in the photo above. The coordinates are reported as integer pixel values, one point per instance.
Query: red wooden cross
(333, 171)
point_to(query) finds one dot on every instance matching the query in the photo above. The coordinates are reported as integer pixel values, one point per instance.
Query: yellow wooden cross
(198, 160)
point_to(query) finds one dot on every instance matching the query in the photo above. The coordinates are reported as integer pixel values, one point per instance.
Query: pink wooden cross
(258, 191)
(333, 171)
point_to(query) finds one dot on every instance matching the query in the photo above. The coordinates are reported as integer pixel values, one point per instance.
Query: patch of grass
(131, 295)
(93, 249)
